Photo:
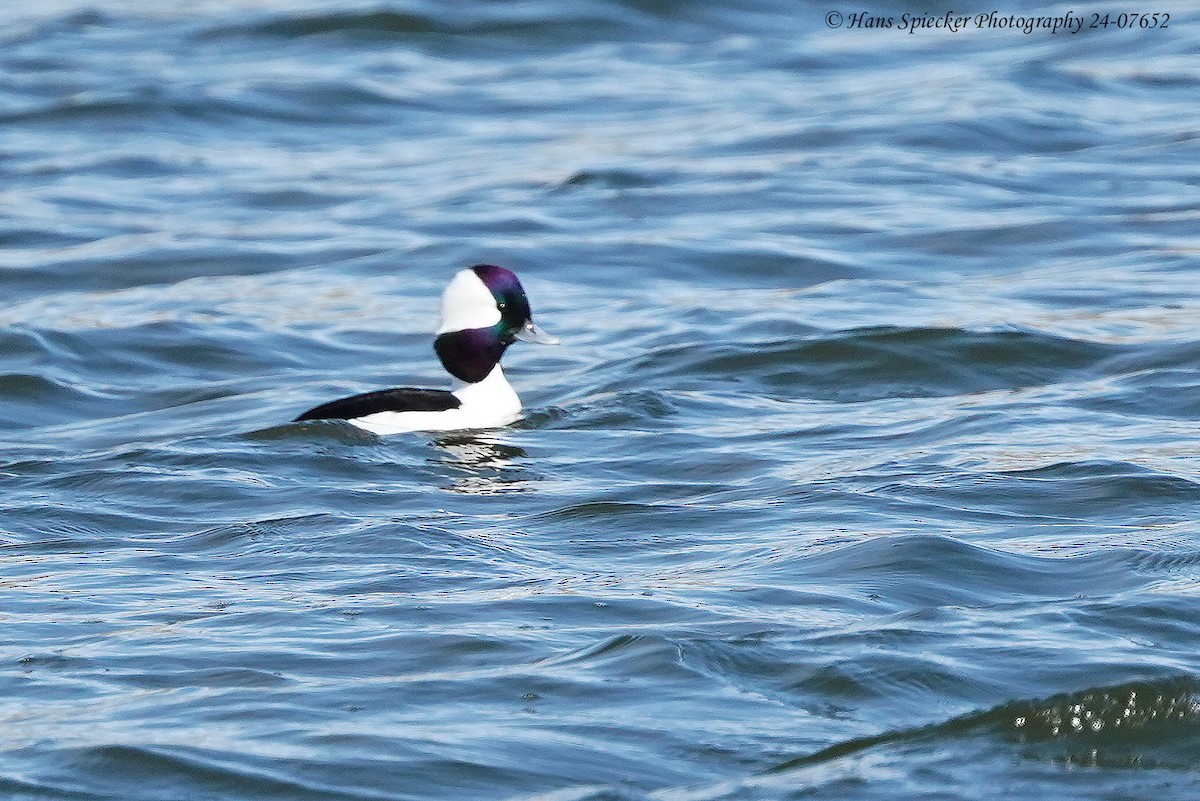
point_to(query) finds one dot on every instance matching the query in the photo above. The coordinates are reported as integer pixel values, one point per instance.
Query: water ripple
(867, 468)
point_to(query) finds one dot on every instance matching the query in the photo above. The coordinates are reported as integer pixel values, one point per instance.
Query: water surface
(867, 468)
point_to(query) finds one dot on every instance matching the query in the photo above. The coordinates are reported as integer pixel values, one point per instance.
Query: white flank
(488, 403)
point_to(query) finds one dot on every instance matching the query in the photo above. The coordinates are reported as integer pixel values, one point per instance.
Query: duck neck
(471, 354)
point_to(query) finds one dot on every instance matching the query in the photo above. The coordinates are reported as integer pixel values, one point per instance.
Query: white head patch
(467, 303)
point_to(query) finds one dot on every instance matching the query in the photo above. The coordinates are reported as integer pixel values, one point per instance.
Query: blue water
(867, 470)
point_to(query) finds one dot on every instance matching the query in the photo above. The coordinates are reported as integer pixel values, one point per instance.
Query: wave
(888, 362)
(1138, 725)
(547, 22)
(309, 104)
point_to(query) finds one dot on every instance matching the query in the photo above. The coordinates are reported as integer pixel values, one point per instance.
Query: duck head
(484, 309)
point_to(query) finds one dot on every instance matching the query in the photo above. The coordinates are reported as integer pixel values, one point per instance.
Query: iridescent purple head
(483, 310)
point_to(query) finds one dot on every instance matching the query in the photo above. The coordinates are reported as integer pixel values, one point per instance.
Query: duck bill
(531, 333)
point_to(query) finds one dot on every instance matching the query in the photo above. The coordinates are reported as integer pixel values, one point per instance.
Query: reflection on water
(482, 463)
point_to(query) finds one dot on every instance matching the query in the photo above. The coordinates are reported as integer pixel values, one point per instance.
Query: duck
(484, 310)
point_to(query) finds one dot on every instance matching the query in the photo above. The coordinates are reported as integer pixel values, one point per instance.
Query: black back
(383, 400)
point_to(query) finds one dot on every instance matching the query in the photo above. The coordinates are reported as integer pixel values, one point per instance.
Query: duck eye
(500, 305)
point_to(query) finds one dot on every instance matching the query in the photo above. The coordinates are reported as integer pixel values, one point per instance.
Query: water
(868, 468)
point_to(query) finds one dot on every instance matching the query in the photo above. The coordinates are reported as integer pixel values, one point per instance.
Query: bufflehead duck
(484, 309)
